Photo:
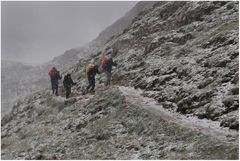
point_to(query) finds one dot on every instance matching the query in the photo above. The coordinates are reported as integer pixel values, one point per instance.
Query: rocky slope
(33, 78)
(102, 126)
(184, 58)
(183, 54)
(122, 23)
(187, 53)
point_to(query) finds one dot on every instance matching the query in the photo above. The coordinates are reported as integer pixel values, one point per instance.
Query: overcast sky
(35, 32)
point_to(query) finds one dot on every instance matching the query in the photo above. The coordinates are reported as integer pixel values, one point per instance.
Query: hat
(107, 48)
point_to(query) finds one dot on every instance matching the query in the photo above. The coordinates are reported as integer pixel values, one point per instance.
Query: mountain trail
(204, 126)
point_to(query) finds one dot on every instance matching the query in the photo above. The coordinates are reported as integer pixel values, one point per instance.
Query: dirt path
(204, 126)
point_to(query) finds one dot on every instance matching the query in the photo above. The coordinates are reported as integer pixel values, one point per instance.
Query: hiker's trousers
(91, 81)
(108, 77)
(68, 91)
(54, 84)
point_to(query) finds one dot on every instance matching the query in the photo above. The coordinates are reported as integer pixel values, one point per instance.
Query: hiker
(54, 76)
(91, 71)
(106, 64)
(68, 83)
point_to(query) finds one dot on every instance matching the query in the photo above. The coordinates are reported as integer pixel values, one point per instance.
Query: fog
(35, 32)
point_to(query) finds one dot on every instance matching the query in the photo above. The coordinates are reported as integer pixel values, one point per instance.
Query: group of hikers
(91, 71)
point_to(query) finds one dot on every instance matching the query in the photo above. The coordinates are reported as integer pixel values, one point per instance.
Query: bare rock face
(183, 56)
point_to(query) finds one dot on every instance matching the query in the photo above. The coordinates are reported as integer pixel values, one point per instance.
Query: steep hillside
(174, 94)
(186, 55)
(122, 23)
(34, 78)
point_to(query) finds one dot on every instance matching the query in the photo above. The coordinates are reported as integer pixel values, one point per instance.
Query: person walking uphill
(91, 71)
(107, 64)
(68, 83)
(54, 76)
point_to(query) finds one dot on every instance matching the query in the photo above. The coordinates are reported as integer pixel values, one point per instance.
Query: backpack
(52, 73)
(105, 60)
(89, 68)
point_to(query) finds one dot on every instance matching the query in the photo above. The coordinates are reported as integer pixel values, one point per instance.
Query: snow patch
(205, 126)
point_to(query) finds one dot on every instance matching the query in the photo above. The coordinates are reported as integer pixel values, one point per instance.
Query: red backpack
(105, 60)
(52, 73)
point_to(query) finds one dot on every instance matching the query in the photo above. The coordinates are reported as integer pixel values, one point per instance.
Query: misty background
(35, 32)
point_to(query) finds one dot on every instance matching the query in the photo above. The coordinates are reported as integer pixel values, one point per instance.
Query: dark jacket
(68, 82)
